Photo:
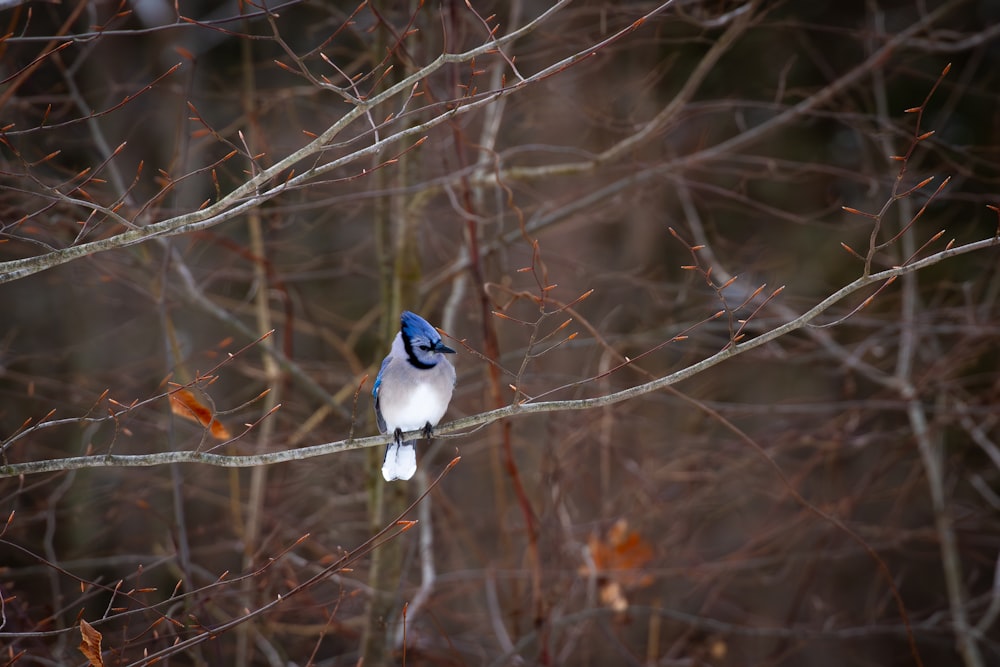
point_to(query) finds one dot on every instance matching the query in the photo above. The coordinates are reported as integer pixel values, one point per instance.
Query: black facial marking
(412, 358)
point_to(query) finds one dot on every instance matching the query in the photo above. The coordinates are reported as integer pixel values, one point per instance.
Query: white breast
(416, 407)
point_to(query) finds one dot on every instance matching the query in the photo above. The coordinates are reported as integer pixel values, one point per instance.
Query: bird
(412, 391)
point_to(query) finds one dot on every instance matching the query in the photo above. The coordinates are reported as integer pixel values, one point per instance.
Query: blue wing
(378, 378)
(378, 383)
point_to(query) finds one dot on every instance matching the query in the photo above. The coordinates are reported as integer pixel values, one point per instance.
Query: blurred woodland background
(179, 179)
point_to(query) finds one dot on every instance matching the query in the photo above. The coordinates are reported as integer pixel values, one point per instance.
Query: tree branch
(491, 416)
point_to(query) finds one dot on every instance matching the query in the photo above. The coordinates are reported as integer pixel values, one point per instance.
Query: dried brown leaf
(184, 404)
(90, 644)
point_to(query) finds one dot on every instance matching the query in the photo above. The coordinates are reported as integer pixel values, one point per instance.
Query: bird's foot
(397, 435)
(428, 431)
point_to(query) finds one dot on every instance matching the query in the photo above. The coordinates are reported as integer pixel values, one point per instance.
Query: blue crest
(413, 326)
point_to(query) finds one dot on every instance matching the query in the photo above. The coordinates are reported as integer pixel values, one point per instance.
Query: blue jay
(412, 391)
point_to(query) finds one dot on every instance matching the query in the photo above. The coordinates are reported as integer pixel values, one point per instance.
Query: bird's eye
(425, 348)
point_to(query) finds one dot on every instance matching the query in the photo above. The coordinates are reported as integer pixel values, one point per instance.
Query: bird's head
(421, 341)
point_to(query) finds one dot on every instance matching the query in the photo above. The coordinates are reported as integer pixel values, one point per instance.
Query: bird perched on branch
(412, 391)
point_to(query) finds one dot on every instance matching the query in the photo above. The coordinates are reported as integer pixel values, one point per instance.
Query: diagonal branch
(267, 184)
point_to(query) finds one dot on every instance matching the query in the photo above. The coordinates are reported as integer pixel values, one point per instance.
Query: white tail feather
(400, 461)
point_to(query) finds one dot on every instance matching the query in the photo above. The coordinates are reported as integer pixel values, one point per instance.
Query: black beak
(441, 347)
